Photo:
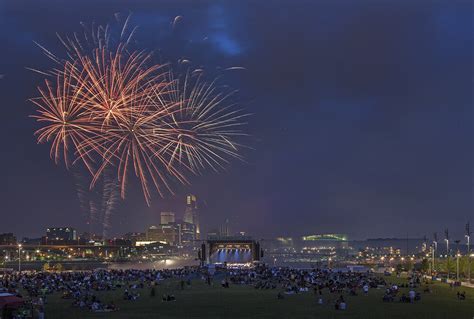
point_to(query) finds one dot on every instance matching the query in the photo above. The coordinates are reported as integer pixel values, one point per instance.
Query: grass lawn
(202, 301)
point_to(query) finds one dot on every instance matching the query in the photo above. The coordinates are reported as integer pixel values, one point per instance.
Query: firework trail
(110, 196)
(99, 204)
(114, 110)
(94, 215)
(88, 200)
(82, 195)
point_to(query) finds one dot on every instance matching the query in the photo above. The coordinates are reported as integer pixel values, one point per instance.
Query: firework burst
(205, 126)
(66, 121)
(113, 109)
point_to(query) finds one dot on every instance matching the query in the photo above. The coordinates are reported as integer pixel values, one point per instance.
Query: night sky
(362, 114)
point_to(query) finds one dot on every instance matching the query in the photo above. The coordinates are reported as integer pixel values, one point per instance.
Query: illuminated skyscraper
(166, 218)
(191, 214)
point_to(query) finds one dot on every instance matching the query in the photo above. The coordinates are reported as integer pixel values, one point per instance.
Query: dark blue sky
(363, 113)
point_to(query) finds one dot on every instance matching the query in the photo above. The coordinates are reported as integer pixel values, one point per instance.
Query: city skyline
(374, 124)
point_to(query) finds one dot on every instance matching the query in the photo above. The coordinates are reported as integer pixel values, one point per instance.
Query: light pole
(457, 266)
(19, 257)
(432, 260)
(468, 237)
(458, 254)
(446, 232)
(435, 248)
(430, 270)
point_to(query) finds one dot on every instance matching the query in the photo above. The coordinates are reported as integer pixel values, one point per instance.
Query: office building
(191, 214)
(168, 233)
(188, 233)
(7, 239)
(167, 218)
(60, 235)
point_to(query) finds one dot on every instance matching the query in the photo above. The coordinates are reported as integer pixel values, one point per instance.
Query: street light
(468, 237)
(446, 232)
(19, 257)
(432, 247)
(457, 265)
(435, 248)
(458, 254)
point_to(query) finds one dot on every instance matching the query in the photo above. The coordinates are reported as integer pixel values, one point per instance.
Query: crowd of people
(392, 292)
(293, 281)
(83, 288)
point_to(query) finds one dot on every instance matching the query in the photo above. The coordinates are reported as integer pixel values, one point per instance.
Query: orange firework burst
(66, 120)
(205, 126)
(115, 109)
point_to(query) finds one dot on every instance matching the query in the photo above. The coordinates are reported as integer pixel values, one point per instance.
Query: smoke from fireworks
(114, 110)
(98, 204)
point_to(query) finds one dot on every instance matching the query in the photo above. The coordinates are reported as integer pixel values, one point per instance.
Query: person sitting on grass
(168, 297)
(130, 296)
(387, 297)
(342, 306)
(412, 295)
(353, 292)
(225, 283)
(417, 296)
(66, 295)
(111, 306)
(404, 298)
(289, 290)
(340, 303)
(96, 306)
(461, 296)
(366, 289)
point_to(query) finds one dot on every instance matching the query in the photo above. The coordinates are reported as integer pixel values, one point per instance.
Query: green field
(202, 301)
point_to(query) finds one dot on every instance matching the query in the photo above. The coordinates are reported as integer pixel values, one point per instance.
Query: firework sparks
(205, 126)
(66, 120)
(112, 109)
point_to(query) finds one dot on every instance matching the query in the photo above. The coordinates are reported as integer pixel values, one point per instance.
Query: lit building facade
(306, 249)
(59, 235)
(167, 218)
(191, 214)
(325, 241)
(188, 233)
(168, 233)
(7, 239)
